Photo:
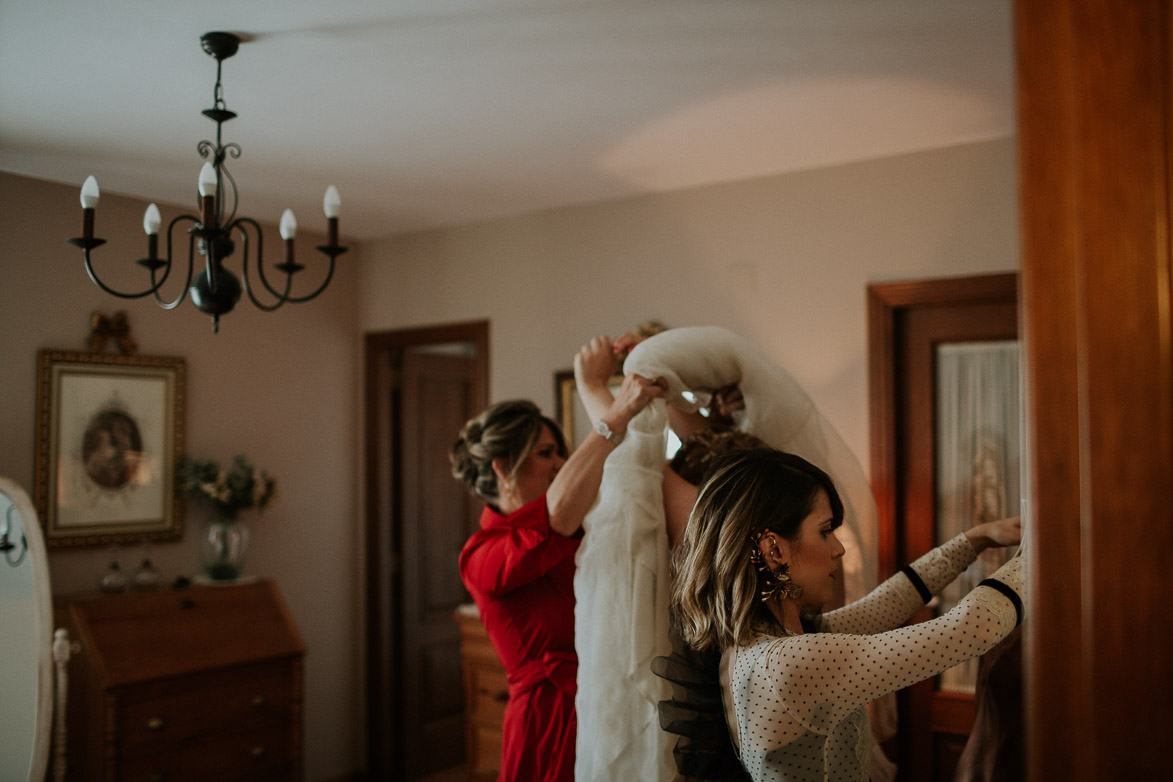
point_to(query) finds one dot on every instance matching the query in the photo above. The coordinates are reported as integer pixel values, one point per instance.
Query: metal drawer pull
(257, 751)
(258, 701)
(156, 723)
(157, 776)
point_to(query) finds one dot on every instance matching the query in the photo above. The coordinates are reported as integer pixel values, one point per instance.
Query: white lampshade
(288, 225)
(89, 193)
(207, 180)
(152, 220)
(332, 202)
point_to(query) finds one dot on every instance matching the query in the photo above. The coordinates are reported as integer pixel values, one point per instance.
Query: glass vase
(223, 549)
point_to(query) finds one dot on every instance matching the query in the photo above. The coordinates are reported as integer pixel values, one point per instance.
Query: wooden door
(437, 398)
(913, 325)
(422, 386)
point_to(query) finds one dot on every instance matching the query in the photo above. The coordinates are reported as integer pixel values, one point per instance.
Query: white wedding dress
(621, 581)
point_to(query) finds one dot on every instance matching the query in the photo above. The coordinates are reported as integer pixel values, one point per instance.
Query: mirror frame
(38, 560)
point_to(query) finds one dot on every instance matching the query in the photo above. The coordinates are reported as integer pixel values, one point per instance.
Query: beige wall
(782, 260)
(280, 387)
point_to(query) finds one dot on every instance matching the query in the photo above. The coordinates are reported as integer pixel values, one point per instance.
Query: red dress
(520, 573)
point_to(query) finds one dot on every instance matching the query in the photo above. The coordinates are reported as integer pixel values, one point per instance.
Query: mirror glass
(25, 641)
(979, 448)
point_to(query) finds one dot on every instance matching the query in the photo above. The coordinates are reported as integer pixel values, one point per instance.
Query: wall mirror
(26, 686)
(946, 441)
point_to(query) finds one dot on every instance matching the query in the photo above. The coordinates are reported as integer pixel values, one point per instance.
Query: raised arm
(893, 602)
(574, 489)
(594, 366)
(820, 678)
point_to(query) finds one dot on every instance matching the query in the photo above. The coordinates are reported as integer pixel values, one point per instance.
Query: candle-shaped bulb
(207, 180)
(89, 193)
(152, 220)
(288, 225)
(332, 202)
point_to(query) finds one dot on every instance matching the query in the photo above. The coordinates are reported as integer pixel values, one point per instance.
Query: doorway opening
(422, 385)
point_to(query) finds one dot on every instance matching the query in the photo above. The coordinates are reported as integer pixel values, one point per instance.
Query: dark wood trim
(377, 348)
(1094, 81)
(888, 304)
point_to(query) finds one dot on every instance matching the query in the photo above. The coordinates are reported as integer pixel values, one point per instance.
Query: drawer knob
(258, 700)
(257, 751)
(501, 696)
(156, 723)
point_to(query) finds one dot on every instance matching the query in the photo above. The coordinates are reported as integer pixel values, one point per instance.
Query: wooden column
(1094, 130)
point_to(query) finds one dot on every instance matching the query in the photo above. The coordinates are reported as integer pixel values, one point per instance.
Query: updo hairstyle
(506, 430)
(715, 591)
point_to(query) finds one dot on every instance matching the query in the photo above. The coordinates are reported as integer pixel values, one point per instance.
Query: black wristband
(925, 594)
(1011, 595)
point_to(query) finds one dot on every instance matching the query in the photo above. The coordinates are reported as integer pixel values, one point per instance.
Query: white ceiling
(427, 113)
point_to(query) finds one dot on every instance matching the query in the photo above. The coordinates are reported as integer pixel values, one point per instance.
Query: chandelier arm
(170, 305)
(284, 298)
(320, 288)
(234, 151)
(94, 278)
(239, 225)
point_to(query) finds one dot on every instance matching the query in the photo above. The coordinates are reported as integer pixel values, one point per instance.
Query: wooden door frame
(886, 305)
(379, 502)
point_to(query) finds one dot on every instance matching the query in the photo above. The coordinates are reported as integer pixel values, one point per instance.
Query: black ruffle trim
(696, 714)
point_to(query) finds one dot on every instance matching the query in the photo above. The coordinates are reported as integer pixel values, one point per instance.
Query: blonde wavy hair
(506, 430)
(715, 592)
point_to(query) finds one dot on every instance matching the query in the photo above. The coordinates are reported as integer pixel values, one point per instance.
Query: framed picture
(109, 437)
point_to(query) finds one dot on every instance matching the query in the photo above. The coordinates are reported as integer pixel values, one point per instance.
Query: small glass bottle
(113, 581)
(146, 577)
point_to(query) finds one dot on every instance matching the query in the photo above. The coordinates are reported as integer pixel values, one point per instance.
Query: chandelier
(215, 290)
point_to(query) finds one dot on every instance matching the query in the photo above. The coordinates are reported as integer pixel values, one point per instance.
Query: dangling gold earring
(772, 583)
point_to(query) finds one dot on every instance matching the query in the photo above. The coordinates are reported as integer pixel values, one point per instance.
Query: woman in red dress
(519, 567)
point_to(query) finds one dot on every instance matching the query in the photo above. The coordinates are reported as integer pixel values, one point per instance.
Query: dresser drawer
(490, 694)
(250, 755)
(485, 751)
(165, 716)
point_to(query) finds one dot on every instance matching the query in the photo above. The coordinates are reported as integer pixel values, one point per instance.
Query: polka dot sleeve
(892, 603)
(819, 679)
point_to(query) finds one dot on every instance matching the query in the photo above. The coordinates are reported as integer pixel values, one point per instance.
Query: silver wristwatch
(605, 432)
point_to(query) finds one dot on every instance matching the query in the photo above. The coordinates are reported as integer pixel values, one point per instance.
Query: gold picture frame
(109, 439)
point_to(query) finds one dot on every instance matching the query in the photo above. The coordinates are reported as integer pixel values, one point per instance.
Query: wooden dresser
(200, 684)
(486, 692)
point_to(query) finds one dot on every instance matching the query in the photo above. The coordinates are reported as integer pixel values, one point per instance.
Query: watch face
(605, 431)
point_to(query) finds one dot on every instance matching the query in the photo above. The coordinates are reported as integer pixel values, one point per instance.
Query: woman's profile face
(816, 556)
(539, 468)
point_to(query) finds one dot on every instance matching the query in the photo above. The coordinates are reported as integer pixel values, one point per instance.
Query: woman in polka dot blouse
(758, 561)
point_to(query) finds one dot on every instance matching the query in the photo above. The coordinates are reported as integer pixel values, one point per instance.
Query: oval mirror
(26, 610)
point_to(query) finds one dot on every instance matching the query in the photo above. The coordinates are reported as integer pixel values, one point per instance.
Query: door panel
(437, 398)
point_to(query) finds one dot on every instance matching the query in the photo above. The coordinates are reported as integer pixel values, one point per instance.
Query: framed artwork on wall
(109, 438)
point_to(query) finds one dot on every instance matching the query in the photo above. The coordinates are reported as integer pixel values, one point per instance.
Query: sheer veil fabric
(621, 581)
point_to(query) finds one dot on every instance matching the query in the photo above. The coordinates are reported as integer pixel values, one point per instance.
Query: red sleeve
(501, 558)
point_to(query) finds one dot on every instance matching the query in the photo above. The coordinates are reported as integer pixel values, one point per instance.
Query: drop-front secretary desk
(200, 684)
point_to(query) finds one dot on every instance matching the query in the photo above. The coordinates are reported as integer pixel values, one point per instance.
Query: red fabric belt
(561, 668)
